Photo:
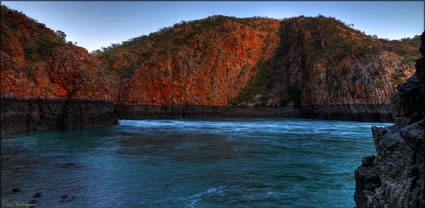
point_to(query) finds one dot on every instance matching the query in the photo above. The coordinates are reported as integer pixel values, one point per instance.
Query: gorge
(218, 66)
(247, 89)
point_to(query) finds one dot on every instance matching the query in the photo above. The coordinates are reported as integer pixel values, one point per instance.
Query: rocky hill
(305, 67)
(47, 83)
(395, 177)
(299, 60)
(204, 62)
(320, 66)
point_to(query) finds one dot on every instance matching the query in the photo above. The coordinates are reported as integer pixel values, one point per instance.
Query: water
(189, 163)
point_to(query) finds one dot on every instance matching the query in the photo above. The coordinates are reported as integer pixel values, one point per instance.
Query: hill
(47, 83)
(224, 60)
(314, 67)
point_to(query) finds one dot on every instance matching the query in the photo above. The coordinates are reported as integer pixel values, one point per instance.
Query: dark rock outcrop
(349, 112)
(353, 112)
(396, 177)
(19, 114)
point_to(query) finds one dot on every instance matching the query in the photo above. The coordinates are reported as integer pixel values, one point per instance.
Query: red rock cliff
(222, 60)
(36, 62)
(47, 83)
(216, 61)
(203, 62)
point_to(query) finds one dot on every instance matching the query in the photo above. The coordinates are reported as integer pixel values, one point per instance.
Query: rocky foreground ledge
(395, 177)
(18, 114)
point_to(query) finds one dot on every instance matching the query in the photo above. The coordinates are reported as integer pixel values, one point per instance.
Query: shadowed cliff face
(322, 61)
(395, 177)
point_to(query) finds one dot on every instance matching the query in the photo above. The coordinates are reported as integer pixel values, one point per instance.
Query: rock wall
(18, 115)
(137, 112)
(349, 112)
(225, 60)
(395, 177)
(297, 67)
(47, 83)
(359, 112)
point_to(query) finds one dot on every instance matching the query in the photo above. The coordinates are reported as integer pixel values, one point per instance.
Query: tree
(61, 34)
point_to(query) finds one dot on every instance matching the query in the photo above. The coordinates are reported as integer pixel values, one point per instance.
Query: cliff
(395, 177)
(318, 65)
(203, 62)
(44, 79)
(330, 71)
(308, 67)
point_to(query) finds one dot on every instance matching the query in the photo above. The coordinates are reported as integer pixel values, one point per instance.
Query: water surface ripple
(245, 162)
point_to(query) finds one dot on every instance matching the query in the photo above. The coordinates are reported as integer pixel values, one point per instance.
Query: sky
(98, 24)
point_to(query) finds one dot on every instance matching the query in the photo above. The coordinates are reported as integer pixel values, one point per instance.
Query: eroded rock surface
(47, 83)
(304, 66)
(396, 177)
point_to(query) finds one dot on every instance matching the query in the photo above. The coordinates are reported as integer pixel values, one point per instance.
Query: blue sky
(97, 24)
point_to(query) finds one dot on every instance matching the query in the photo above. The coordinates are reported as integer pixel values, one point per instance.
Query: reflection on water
(189, 163)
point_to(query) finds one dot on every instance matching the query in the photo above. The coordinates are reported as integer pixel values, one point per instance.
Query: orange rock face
(36, 62)
(198, 64)
(214, 61)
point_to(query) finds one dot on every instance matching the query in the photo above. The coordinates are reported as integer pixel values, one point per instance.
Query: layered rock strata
(18, 115)
(354, 112)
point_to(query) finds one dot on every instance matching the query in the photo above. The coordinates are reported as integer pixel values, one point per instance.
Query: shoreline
(34, 114)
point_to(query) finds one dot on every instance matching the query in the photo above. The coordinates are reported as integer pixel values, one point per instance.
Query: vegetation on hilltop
(317, 53)
(212, 61)
(169, 40)
(37, 61)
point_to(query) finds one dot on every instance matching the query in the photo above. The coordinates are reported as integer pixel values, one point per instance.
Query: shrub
(29, 52)
(107, 72)
(397, 77)
(243, 105)
(408, 59)
(162, 51)
(147, 53)
(257, 83)
(45, 45)
(61, 34)
(127, 72)
(166, 73)
(374, 72)
(378, 83)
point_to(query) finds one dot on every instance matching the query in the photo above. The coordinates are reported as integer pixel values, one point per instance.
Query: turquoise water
(189, 163)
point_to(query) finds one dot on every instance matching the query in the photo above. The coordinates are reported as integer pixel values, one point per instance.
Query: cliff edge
(48, 83)
(395, 177)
